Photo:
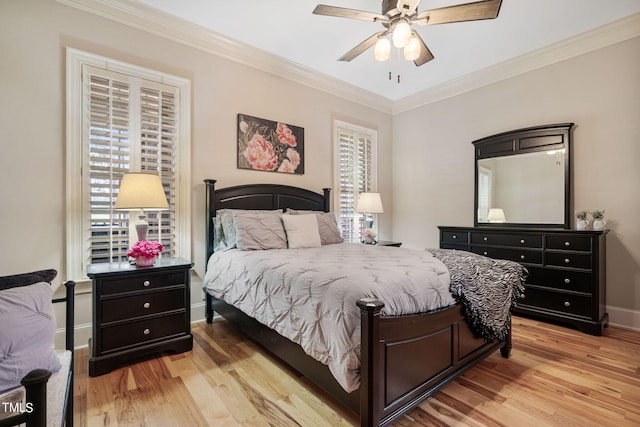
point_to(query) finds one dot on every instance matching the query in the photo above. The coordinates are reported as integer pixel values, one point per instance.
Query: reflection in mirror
(528, 188)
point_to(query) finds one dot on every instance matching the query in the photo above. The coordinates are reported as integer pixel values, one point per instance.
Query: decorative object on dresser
(598, 219)
(141, 191)
(567, 277)
(138, 312)
(582, 223)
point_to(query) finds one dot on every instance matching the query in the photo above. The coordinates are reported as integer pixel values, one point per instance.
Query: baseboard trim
(624, 318)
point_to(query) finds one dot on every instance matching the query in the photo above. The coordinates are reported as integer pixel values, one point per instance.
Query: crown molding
(153, 21)
(598, 38)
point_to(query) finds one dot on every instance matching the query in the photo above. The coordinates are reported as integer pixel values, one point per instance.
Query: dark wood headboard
(259, 196)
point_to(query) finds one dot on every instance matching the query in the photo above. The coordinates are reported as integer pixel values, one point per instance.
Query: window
(484, 193)
(355, 172)
(123, 118)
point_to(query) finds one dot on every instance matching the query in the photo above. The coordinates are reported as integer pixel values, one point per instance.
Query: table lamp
(496, 215)
(369, 203)
(141, 191)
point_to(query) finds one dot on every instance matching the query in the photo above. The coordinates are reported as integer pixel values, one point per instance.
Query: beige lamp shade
(369, 203)
(496, 215)
(141, 191)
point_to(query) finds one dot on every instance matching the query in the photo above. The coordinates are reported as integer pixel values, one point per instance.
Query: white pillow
(302, 231)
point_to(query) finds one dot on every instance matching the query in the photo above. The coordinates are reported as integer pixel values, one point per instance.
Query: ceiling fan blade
(425, 53)
(361, 47)
(486, 9)
(341, 12)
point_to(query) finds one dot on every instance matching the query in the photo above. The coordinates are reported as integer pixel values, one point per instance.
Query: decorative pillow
(219, 241)
(259, 231)
(25, 279)
(228, 226)
(302, 231)
(27, 332)
(327, 225)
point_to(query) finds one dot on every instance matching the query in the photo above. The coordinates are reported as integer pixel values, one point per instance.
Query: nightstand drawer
(141, 282)
(518, 255)
(570, 243)
(560, 279)
(557, 301)
(138, 333)
(569, 260)
(129, 307)
(454, 237)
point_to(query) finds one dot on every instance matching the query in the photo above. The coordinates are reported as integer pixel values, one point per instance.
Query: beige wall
(33, 38)
(599, 91)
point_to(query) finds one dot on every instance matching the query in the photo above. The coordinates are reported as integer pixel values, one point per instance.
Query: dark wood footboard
(404, 359)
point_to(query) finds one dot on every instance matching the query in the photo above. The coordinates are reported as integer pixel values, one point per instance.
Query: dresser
(138, 312)
(567, 277)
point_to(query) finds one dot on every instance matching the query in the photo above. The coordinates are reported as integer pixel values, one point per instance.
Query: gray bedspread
(309, 295)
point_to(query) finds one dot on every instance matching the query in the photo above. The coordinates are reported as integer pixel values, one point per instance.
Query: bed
(403, 359)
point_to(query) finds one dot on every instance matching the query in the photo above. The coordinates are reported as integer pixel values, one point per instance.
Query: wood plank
(555, 376)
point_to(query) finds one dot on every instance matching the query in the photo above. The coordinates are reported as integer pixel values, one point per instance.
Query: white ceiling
(288, 29)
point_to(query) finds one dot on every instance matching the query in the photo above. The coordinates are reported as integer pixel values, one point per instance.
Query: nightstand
(138, 312)
(388, 243)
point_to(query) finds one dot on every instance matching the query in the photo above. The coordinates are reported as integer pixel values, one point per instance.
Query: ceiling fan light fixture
(401, 34)
(382, 50)
(412, 50)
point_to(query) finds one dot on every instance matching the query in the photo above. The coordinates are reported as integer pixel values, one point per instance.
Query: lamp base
(142, 226)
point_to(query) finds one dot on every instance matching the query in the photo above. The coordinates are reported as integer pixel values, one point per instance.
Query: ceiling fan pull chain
(389, 75)
(398, 78)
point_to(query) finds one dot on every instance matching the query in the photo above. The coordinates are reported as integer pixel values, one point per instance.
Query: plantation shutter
(355, 175)
(484, 194)
(131, 124)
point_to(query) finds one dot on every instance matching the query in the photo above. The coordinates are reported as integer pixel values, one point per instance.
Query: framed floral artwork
(266, 145)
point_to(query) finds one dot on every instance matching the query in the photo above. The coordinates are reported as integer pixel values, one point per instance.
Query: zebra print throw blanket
(486, 288)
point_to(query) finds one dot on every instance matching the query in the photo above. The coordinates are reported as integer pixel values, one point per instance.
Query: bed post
(371, 363)
(327, 200)
(210, 208)
(505, 350)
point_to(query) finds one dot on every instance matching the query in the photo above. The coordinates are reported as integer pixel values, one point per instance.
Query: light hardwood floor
(555, 377)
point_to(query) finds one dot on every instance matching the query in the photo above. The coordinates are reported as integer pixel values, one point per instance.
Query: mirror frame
(521, 141)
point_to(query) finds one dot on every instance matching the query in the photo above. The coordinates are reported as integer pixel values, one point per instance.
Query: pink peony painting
(266, 145)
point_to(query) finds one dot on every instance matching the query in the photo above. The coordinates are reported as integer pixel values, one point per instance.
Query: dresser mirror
(522, 178)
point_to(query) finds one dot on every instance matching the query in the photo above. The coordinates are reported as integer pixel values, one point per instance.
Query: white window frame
(485, 178)
(355, 131)
(76, 182)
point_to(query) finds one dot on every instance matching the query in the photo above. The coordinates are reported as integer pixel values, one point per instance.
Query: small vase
(582, 224)
(598, 224)
(143, 261)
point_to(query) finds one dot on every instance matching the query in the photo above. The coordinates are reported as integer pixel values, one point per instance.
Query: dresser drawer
(140, 332)
(515, 240)
(141, 282)
(129, 307)
(518, 255)
(569, 280)
(454, 237)
(571, 243)
(577, 305)
(572, 260)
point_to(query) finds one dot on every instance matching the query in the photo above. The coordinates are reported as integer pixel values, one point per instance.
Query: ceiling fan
(397, 17)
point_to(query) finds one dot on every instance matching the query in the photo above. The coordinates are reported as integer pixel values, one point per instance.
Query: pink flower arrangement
(146, 249)
(285, 135)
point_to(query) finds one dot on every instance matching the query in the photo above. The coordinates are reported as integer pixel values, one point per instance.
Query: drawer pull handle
(146, 331)
(567, 243)
(567, 281)
(146, 305)
(521, 256)
(567, 260)
(567, 304)
(522, 241)
(454, 237)
(484, 253)
(146, 283)
(485, 239)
